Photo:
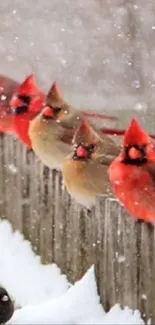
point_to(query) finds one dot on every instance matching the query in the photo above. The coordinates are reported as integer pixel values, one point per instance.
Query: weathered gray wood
(2, 180)
(117, 263)
(13, 208)
(146, 270)
(59, 221)
(34, 200)
(128, 237)
(46, 216)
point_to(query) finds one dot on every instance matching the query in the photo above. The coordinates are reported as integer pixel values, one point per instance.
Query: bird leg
(29, 150)
(89, 213)
(141, 221)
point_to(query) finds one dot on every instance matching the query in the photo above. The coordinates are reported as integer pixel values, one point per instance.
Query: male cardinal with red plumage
(25, 104)
(51, 132)
(85, 169)
(7, 88)
(132, 173)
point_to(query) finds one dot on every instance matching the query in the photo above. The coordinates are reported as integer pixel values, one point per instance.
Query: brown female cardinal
(85, 169)
(51, 132)
(25, 104)
(7, 88)
(132, 173)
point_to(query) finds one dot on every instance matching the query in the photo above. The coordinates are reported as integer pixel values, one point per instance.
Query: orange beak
(15, 102)
(81, 152)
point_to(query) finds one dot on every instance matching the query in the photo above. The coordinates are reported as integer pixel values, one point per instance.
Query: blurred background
(102, 52)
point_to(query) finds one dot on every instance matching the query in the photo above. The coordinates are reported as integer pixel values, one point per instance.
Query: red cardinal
(7, 88)
(25, 104)
(132, 173)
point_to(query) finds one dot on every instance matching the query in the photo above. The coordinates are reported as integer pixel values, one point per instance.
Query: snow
(12, 168)
(19, 265)
(79, 305)
(44, 294)
(118, 316)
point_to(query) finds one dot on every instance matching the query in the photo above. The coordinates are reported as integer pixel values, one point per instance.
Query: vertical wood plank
(60, 230)
(146, 270)
(128, 258)
(117, 254)
(2, 179)
(33, 220)
(45, 220)
(11, 191)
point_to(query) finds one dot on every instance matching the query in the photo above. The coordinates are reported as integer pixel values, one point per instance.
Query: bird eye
(4, 298)
(91, 147)
(24, 98)
(19, 109)
(57, 109)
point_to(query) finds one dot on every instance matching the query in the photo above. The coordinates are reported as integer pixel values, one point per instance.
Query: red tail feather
(100, 116)
(118, 132)
(113, 131)
(7, 87)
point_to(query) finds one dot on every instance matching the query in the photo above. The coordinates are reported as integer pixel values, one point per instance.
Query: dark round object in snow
(6, 306)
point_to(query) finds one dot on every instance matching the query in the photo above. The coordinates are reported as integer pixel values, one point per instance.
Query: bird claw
(139, 221)
(149, 224)
(89, 213)
(29, 150)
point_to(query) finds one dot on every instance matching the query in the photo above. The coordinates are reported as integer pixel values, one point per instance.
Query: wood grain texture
(34, 200)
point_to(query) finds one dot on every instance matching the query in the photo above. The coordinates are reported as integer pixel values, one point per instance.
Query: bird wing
(104, 160)
(67, 136)
(151, 170)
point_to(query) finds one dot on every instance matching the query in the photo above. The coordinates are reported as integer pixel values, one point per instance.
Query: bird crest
(28, 86)
(135, 135)
(85, 134)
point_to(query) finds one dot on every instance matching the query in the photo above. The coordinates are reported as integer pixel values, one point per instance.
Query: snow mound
(45, 295)
(79, 305)
(21, 272)
(119, 316)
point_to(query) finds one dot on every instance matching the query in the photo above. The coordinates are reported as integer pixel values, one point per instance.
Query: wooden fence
(33, 199)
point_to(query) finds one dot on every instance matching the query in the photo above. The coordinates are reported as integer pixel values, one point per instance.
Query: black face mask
(25, 99)
(142, 159)
(22, 108)
(19, 109)
(56, 110)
